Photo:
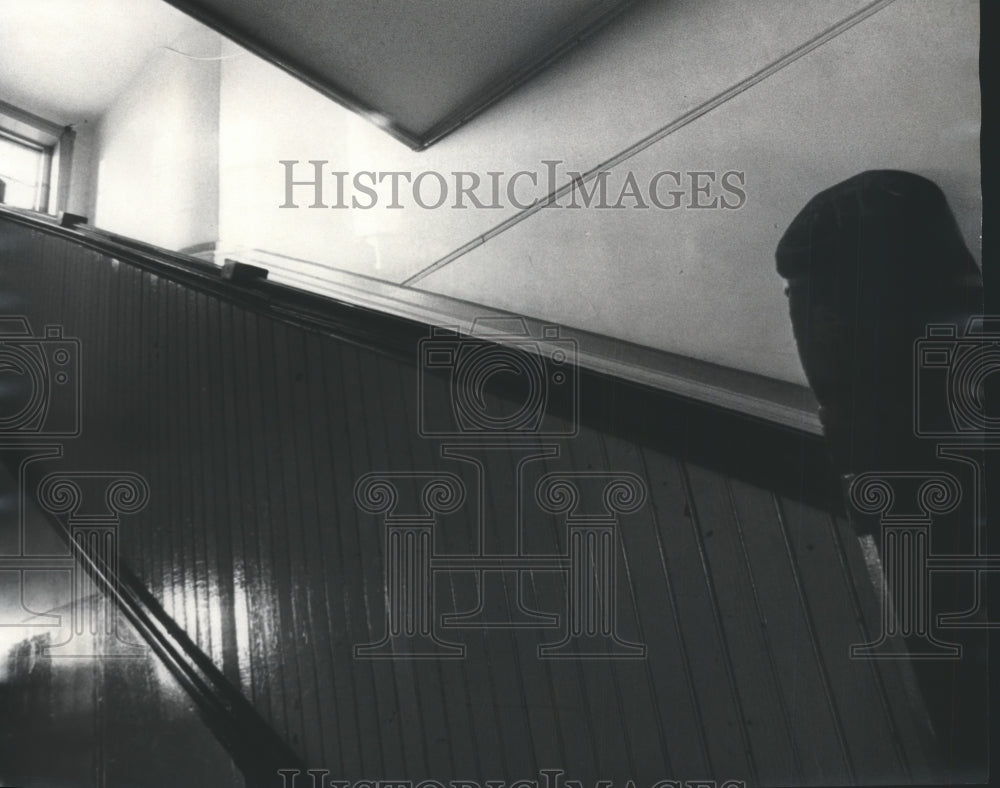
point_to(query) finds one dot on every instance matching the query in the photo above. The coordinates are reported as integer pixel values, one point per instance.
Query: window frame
(43, 176)
(56, 143)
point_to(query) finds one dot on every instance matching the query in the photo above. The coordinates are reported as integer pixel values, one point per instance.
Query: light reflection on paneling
(252, 434)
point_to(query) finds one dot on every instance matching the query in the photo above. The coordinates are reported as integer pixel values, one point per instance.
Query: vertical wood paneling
(895, 679)
(362, 412)
(650, 743)
(600, 689)
(872, 743)
(264, 622)
(769, 737)
(230, 478)
(684, 735)
(812, 718)
(470, 724)
(304, 527)
(705, 655)
(252, 432)
(344, 572)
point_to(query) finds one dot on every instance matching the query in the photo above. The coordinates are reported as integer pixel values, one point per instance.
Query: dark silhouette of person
(870, 263)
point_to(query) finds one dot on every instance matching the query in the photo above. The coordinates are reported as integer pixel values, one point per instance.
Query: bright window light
(24, 173)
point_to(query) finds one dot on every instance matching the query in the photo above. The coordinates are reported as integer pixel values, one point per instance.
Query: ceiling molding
(771, 400)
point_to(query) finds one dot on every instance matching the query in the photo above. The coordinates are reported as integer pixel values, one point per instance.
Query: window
(25, 171)
(35, 160)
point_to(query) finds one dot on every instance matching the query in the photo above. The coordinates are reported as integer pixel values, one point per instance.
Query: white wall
(157, 149)
(896, 90)
(82, 177)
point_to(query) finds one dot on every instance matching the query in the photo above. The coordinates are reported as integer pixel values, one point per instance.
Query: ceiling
(418, 68)
(66, 60)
